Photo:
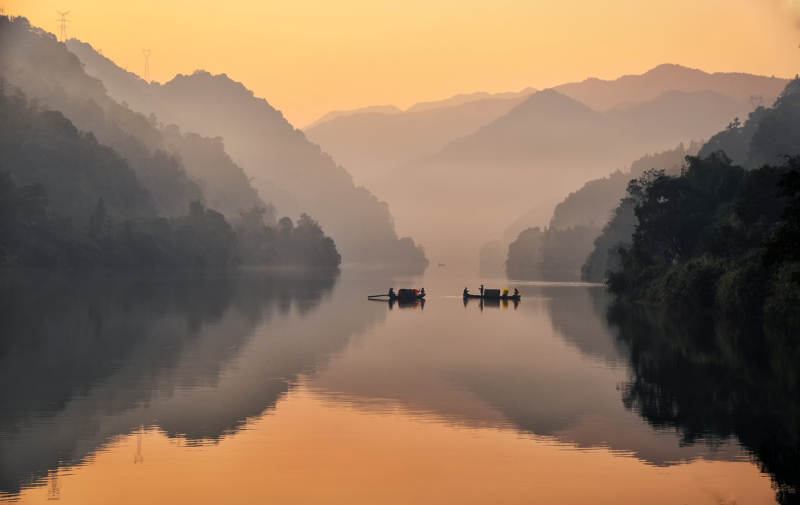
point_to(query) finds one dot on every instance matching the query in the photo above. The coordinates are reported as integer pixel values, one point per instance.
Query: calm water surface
(281, 388)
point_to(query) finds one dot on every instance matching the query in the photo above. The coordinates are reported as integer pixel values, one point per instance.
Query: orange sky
(307, 57)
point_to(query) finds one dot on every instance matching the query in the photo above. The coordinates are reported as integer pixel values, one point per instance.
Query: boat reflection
(553, 372)
(494, 303)
(407, 304)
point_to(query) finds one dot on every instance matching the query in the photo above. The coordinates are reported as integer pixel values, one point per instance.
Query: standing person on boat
(391, 292)
(466, 291)
(481, 289)
(516, 292)
(422, 292)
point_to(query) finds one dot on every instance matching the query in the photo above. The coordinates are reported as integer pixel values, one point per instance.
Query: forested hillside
(42, 147)
(110, 196)
(767, 136)
(288, 171)
(721, 235)
(562, 249)
(67, 201)
(33, 61)
(552, 254)
(175, 170)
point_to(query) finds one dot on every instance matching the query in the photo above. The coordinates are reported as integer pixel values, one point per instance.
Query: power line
(62, 25)
(146, 53)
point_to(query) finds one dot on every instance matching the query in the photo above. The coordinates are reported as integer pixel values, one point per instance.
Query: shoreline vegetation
(723, 235)
(712, 227)
(80, 205)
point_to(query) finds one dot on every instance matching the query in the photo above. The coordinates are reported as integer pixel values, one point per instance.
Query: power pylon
(146, 53)
(62, 25)
(53, 491)
(138, 457)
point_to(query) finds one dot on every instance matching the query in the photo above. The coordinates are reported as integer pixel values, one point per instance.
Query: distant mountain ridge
(370, 109)
(529, 154)
(463, 98)
(537, 152)
(372, 144)
(453, 101)
(288, 170)
(627, 90)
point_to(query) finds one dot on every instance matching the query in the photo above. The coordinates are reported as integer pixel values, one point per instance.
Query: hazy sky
(307, 57)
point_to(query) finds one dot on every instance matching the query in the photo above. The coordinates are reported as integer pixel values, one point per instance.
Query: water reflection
(407, 304)
(715, 381)
(486, 369)
(297, 361)
(493, 303)
(94, 357)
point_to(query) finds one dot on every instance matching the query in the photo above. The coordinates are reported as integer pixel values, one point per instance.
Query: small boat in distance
(493, 294)
(404, 294)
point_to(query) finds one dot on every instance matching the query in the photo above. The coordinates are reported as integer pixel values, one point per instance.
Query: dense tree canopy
(68, 201)
(719, 237)
(698, 203)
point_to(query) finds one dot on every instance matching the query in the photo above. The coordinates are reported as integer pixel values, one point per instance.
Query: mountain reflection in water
(551, 368)
(93, 358)
(208, 358)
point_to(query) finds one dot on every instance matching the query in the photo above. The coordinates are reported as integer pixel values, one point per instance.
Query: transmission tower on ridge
(146, 53)
(62, 25)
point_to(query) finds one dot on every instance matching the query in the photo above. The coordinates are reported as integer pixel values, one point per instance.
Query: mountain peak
(464, 98)
(370, 109)
(551, 100)
(216, 82)
(672, 68)
(602, 94)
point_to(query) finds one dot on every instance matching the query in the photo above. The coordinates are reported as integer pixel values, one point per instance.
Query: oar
(377, 296)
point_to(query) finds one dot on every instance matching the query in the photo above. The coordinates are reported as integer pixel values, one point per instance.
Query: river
(265, 387)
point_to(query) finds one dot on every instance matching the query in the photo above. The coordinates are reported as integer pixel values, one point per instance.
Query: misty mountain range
(628, 90)
(524, 160)
(373, 141)
(287, 170)
(496, 158)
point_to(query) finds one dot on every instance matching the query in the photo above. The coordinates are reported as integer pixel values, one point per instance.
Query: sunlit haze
(310, 57)
(368, 252)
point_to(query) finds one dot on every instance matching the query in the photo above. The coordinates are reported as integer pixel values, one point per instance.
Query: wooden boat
(493, 294)
(501, 297)
(405, 294)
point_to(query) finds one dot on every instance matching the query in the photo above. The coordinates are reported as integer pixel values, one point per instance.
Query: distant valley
(530, 151)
